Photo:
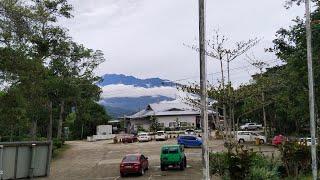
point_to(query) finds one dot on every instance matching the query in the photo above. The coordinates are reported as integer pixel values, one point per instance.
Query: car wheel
(261, 141)
(246, 129)
(241, 140)
(181, 165)
(122, 174)
(163, 167)
(185, 162)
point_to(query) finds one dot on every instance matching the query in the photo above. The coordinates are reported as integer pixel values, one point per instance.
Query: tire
(122, 174)
(163, 167)
(185, 162)
(246, 129)
(181, 165)
(261, 141)
(241, 140)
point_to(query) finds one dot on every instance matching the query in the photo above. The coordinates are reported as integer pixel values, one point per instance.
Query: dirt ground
(100, 161)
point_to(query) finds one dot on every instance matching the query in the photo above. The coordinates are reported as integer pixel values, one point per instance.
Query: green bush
(219, 163)
(243, 164)
(262, 173)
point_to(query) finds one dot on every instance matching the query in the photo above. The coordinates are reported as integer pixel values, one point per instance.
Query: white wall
(191, 119)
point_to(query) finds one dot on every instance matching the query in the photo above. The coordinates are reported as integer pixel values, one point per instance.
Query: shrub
(295, 158)
(141, 129)
(243, 164)
(259, 173)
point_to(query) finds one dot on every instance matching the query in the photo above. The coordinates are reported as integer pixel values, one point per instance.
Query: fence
(24, 159)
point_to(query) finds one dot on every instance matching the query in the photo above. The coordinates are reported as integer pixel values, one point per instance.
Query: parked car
(134, 163)
(173, 155)
(251, 126)
(161, 136)
(129, 139)
(144, 137)
(190, 132)
(189, 141)
(277, 140)
(248, 136)
(306, 141)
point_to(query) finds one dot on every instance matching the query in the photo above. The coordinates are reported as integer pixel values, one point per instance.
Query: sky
(145, 38)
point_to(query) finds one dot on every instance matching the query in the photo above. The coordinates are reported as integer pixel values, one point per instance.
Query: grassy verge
(58, 152)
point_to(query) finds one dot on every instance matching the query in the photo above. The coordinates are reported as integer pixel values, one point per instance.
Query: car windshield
(160, 133)
(130, 158)
(143, 134)
(170, 150)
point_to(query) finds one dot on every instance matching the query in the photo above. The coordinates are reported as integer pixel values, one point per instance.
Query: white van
(248, 136)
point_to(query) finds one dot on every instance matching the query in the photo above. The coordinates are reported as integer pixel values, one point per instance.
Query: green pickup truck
(173, 155)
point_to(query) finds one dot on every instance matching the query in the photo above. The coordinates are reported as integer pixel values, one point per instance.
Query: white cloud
(121, 90)
(145, 38)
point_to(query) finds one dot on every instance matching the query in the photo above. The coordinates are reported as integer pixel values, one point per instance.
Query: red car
(129, 139)
(134, 163)
(277, 140)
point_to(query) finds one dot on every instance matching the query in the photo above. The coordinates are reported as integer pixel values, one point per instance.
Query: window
(130, 158)
(170, 150)
(172, 124)
(183, 124)
(188, 138)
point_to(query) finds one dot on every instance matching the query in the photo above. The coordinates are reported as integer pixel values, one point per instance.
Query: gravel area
(100, 160)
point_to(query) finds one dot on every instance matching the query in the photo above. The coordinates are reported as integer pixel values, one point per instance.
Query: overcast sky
(145, 38)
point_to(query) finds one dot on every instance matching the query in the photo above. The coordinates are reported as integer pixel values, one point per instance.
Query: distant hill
(112, 79)
(117, 107)
(120, 106)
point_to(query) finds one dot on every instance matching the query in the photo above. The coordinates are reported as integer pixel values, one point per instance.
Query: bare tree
(261, 65)
(218, 49)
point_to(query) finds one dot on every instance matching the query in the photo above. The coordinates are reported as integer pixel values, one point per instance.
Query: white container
(104, 129)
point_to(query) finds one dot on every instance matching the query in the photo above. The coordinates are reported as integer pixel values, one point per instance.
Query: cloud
(121, 90)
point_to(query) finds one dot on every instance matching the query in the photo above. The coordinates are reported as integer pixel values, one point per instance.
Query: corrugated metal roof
(166, 109)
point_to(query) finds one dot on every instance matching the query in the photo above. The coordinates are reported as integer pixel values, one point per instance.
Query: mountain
(134, 93)
(111, 79)
(119, 106)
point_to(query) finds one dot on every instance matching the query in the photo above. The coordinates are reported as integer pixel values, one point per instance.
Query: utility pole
(311, 92)
(203, 89)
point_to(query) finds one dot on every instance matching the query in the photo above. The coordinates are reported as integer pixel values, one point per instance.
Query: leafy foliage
(243, 164)
(49, 73)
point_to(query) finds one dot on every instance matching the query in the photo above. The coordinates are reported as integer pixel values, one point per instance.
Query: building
(169, 115)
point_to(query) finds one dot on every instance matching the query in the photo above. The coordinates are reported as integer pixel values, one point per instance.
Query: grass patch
(59, 151)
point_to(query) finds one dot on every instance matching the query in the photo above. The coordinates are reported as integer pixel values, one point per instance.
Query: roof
(167, 109)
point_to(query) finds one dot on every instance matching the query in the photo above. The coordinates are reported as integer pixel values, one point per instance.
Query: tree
(38, 57)
(219, 50)
(154, 124)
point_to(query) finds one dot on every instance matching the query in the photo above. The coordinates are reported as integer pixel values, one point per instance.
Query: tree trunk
(49, 130)
(34, 129)
(59, 134)
(225, 123)
(263, 109)
(11, 133)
